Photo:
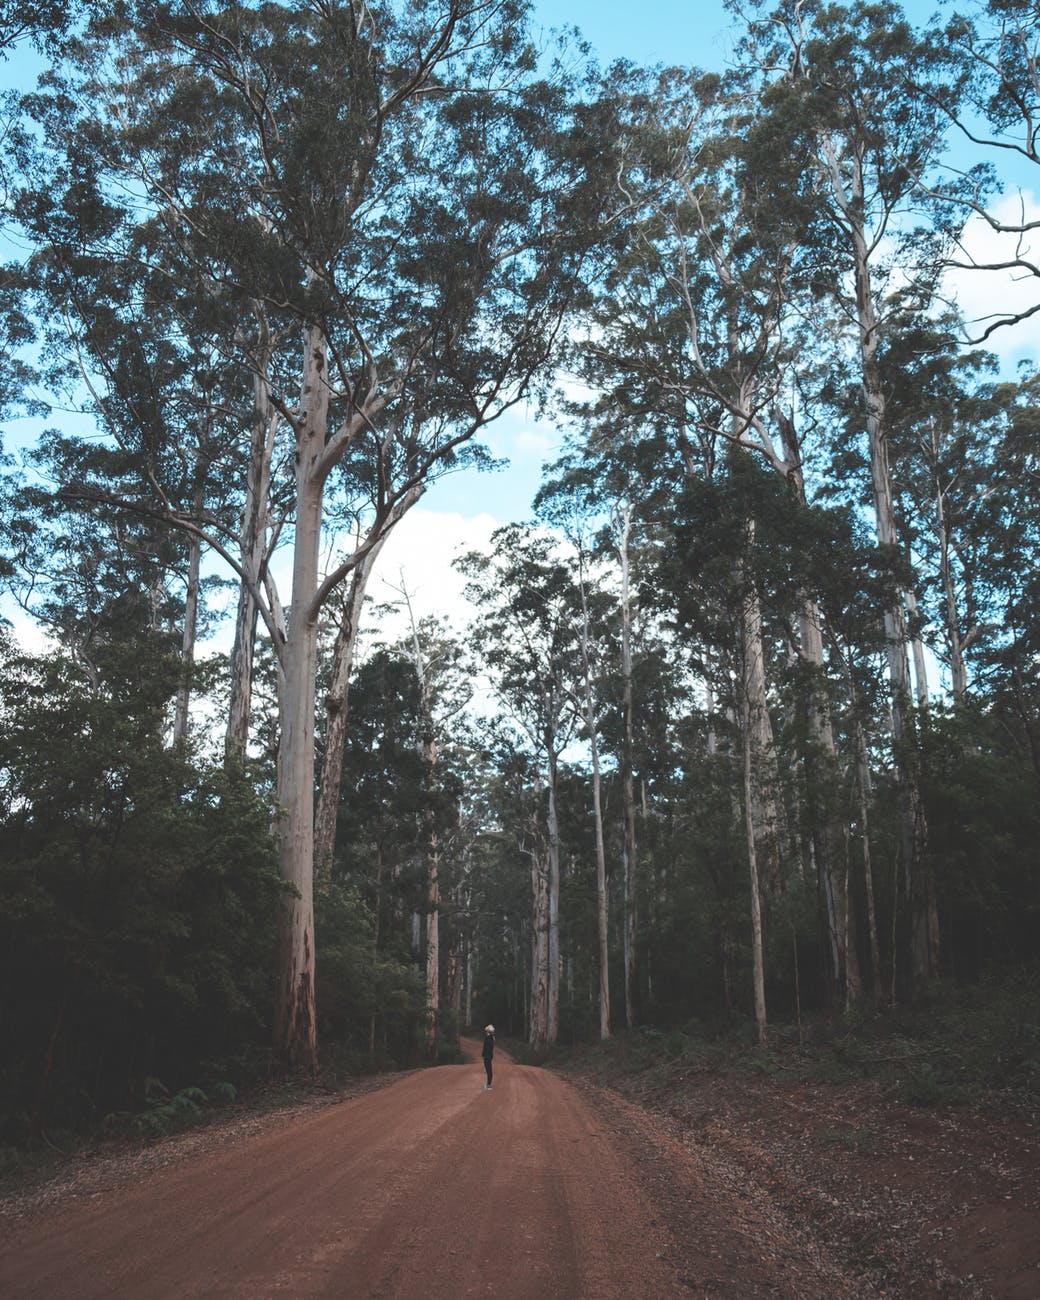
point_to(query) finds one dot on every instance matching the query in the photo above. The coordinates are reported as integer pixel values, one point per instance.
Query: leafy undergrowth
(164, 1112)
(978, 1046)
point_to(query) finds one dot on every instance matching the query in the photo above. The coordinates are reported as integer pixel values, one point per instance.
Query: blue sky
(652, 31)
(698, 32)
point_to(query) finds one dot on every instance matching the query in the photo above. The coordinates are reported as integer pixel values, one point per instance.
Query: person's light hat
(489, 1029)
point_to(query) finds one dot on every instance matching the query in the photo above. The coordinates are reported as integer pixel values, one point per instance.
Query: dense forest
(746, 724)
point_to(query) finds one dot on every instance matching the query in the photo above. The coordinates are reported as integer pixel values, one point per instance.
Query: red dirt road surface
(675, 1183)
(430, 1187)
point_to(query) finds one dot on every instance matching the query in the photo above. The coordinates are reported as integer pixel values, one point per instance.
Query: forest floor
(598, 1182)
(904, 1200)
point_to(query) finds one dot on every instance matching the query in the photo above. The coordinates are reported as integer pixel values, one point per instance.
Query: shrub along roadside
(138, 891)
(977, 1045)
(138, 897)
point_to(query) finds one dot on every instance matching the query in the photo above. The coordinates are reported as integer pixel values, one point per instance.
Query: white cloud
(984, 295)
(26, 632)
(537, 442)
(418, 555)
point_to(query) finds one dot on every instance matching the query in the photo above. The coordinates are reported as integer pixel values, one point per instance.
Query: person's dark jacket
(488, 1050)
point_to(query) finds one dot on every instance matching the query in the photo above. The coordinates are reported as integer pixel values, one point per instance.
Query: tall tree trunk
(428, 751)
(252, 545)
(957, 642)
(453, 980)
(336, 713)
(764, 810)
(627, 774)
(337, 700)
(433, 948)
(467, 987)
(757, 952)
(917, 648)
(923, 945)
(538, 1012)
(555, 956)
(827, 833)
(821, 766)
(923, 956)
(191, 623)
(295, 1027)
(597, 810)
(863, 789)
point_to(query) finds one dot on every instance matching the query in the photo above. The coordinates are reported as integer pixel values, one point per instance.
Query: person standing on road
(488, 1053)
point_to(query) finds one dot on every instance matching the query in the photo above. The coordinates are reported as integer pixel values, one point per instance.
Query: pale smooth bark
(295, 1030)
(863, 790)
(751, 838)
(191, 622)
(627, 764)
(951, 613)
(591, 723)
(827, 834)
(253, 549)
(917, 648)
(538, 1012)
(764, 811)
(957, 641)
(850, 204)
(336, 714)
(554, 954)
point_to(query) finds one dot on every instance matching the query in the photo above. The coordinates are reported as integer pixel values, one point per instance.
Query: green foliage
(165, 1113)
(984, 830)
(362, 990)
(974, 1044)
(138, 892)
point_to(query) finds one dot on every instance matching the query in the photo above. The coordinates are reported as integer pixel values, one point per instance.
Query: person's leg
(487, 1068)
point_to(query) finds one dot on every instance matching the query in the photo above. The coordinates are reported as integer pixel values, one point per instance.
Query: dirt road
(428, 1188)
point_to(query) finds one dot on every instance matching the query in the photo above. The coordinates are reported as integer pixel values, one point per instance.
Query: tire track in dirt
(430, 1187)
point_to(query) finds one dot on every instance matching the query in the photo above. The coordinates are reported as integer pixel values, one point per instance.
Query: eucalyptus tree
(379, 842)
(506, 796)
(400, 842)
(948, 422)
(347, 617)
(146, 367)
(849, 78)
(572, 516)
(100, 585)
(709, 284)
(39, 23)
(389, 207)
(528, 634)
(605, 489)
(1000, 551)
(444, 691)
